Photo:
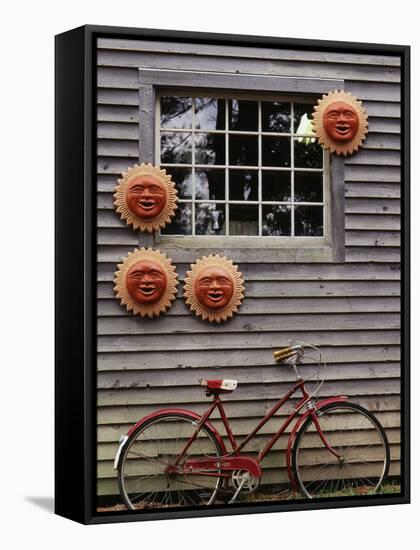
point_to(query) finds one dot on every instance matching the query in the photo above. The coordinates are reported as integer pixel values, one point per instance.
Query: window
(243, 166)
(249, 175)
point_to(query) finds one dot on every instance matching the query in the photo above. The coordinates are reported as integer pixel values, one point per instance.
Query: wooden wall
(351, 309)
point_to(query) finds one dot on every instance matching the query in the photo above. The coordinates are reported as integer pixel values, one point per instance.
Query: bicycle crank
(242, 480)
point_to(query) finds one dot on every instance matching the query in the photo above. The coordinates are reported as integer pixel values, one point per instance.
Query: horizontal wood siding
(351, 309)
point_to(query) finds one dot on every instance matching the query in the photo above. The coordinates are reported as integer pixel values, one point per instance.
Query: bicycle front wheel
(362, 447)
(143, 478)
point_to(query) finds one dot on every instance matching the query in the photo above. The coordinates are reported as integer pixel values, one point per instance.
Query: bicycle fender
(296, 427)
(193, 415)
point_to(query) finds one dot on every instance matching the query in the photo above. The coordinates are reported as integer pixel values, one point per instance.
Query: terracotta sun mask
(340, 122)
(214, 288)
(146, 282)
(146, 197)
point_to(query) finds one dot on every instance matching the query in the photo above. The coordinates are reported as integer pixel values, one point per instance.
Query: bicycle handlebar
(285, 353)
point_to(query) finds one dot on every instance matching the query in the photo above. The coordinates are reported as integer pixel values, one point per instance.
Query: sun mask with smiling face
(146, 282)
(340, 122)
(214, 288)
(145, 197)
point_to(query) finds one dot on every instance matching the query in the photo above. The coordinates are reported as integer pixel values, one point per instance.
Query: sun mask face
(146, 282)
(214, 288)
(340, 122)
(146, 198)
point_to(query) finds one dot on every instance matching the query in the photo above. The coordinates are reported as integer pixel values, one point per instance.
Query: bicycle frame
(235, 463)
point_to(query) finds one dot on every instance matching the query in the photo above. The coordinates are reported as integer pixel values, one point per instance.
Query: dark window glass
(183, 181)
(243, 185)
(275, 116)
(308, 187)
(243, 219)
(243, 150)
(182, 223)
(209, 113)
(209, 148)
(309, 221)
(276, 220)
(210, 183)
(243, 115)
(276, 151)
(276, 185)
(307, 155)
(175, 148)
(175, 112)
(210, 219)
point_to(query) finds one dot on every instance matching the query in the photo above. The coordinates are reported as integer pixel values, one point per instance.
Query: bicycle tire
(142, 481)
(364, 452)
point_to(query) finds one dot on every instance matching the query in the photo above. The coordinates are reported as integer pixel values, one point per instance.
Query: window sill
(248, 249)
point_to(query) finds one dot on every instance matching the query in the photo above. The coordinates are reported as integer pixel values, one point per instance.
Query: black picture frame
(75, 270)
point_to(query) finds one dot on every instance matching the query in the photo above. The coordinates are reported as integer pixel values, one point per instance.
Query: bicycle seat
(216, 387)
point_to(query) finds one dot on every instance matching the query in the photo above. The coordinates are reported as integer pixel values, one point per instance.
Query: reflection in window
(275, 117)
(243, 115)
(175, 112)
(308, 187)
(176, 148)
(242, 167)
(243, 220)
(210, 113)
(209, 219)
(277, 220)
(181, 225)
(210, 184)
(243, 150)
(209, 149)
(276, 185)
(308, 221)
(243, 185)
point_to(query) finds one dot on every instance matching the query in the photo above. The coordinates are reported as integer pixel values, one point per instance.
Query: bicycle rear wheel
(142, 470)
(363, 448)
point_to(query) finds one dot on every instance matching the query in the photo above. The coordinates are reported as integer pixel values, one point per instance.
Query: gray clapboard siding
(242, 413)
(381, 205)
(372, 191)
(353, 353)
(281, 322)
(350, 309)
(301, 271)
(148, 378)
(108, 60)
(273, 289)
(373, 238)
(369, 221)
(364, 254)
(127, 79)
(107, 253)
(373, 173)
(239, 341)
(245, 51)
(111, 308)
(375, 158)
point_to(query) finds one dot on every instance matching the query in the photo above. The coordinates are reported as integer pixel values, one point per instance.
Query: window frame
(331, 246)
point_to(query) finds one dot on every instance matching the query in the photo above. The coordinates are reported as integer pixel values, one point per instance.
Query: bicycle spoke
(364, 449)
(144, 477)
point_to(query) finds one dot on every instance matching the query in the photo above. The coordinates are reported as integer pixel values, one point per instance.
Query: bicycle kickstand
(238, 490)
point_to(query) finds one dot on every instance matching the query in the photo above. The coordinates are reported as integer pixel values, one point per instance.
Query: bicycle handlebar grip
(280, 358)
(285, 353)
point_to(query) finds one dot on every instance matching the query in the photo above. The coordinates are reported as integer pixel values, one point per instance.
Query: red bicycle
(176, 457)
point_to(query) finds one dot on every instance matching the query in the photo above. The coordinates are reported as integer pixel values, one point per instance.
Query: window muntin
(242, 166)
